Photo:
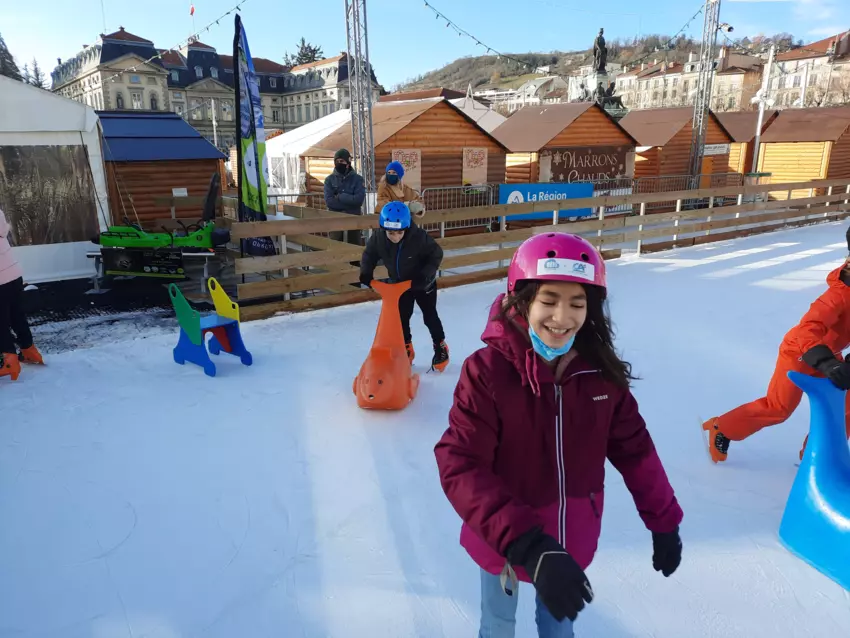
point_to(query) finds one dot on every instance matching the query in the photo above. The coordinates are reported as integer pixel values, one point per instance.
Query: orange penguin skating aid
(386, 381)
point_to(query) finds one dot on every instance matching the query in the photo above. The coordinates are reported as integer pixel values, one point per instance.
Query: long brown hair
(594, 341)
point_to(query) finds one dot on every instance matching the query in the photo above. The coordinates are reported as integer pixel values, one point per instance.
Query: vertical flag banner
(251, 146)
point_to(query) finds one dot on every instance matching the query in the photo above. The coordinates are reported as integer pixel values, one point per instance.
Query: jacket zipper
(593, 504)
(559, 456)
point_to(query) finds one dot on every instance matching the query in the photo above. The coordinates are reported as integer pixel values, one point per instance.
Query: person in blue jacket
(409, 254)
(345, 191)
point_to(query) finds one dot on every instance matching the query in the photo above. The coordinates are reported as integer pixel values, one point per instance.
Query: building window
(135, 79)
(227, 110)
(331, 107)
(275, 115)
(316, 112)
(178, 95)
(199, 72)
(178, 108)
(119, 101)
(151, 80)
(213, 72)
(175, 76)
(154, 104)
(797, 81)
(324, 109)
(273, 82)
(136, 99)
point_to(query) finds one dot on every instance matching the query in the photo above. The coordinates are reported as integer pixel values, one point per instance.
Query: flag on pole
(191, 10)
(251, 145)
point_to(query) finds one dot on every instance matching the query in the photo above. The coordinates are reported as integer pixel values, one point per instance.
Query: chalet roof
(809, 125)
(388, 118)
(449, 94)
(532, 127)
(310, 65)
(150, 137)
(656, 127)
(741, 125)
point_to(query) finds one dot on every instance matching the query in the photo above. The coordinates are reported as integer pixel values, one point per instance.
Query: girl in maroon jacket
(536, 413)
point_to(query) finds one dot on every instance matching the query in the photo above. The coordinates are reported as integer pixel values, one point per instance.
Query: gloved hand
(561, 584)
(667, 552)
(823, 360)
(418, 283)
(417, 208)
(366, 280)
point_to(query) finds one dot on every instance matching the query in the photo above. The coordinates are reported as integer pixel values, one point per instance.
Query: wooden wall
(441, 133)
(521, 168)
(592, 128)
(738, 157)
(794, 162)
(839, 159)
(647, 163)
(676, 154)
(135, 185)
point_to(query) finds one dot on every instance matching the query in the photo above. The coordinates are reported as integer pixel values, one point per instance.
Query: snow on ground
(140, 498)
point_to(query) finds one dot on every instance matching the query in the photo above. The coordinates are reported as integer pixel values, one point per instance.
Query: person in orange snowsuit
(813, 347)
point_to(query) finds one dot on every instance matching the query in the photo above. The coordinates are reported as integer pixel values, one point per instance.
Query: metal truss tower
(360, 89)
(708, 54)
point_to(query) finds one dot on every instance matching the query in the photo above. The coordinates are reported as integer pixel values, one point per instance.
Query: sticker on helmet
(393, 225)
(565, 268)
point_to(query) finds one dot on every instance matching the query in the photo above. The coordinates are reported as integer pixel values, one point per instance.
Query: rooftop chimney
(692, 56)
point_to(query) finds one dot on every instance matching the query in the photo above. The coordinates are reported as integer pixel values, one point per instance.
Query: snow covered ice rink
(139, 498)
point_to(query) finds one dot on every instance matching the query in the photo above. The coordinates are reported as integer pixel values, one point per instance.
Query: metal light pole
(705, 83)
(763, 98)
(360, 90)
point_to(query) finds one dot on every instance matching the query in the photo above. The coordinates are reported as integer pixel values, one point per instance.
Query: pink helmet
(557, 257)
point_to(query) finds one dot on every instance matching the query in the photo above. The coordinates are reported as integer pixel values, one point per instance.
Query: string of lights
(451, 24)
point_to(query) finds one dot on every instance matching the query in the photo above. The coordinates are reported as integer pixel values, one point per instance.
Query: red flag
(191, 10)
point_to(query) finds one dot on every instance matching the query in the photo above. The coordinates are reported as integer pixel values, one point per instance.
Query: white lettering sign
(565, 267)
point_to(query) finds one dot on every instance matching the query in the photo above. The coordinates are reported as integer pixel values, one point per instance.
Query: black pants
(427, 302)
(12, 317)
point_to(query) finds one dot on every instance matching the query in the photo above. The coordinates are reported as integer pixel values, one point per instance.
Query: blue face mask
(392, 180)
(550, 354)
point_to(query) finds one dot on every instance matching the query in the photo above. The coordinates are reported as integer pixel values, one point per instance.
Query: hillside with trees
(512, 69)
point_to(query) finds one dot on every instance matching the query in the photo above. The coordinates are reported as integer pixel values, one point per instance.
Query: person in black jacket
(410, 254)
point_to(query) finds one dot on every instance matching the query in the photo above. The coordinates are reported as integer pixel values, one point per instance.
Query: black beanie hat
(847, 236)
(342, 154)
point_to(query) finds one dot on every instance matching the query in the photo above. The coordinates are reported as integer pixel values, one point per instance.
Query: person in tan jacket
(391, 188)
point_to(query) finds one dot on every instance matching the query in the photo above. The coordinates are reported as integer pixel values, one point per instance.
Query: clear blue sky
(404, 37)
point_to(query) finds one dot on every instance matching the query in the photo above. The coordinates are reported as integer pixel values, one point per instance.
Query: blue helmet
(395, 216)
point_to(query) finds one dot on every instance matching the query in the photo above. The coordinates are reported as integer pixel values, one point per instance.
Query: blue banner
(251, 146)
(523, 193)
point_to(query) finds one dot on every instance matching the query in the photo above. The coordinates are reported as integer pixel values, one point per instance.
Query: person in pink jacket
(12, 317)
(536, 413)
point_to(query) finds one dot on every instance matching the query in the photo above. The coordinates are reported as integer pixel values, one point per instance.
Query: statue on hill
(600, 53)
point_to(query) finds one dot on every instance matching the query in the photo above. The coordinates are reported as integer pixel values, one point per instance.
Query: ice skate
(441, 357)
(10, 366)
(31, 355)
(716, 442)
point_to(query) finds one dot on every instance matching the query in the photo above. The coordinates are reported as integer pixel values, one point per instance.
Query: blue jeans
(498, 613)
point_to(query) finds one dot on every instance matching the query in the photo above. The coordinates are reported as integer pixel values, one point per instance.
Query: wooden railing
(326, 265)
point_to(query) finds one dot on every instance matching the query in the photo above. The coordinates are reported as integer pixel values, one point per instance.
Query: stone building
(123, 71)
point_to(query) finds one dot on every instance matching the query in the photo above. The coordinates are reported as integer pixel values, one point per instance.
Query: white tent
(287, 174)
(52, 182)
(483, 115)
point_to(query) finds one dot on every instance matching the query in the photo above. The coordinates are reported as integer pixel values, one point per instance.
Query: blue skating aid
(222, 324)
(816, 523)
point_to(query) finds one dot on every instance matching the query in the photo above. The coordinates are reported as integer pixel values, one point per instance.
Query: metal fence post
(708, 219)
(829, 203)
(640, 226)
(503, 226)
(676, 221)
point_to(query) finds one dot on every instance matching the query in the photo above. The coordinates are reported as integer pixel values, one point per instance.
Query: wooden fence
(324, 266)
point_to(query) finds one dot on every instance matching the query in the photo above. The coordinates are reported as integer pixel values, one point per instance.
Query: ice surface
(141, 498)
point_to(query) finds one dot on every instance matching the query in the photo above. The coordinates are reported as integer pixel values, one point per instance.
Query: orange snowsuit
(826, 323)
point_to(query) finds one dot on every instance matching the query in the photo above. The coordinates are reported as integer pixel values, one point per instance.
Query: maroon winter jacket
(523, 450)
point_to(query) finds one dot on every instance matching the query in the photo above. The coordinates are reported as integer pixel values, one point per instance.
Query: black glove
(666, 552)
(417, 283)
(366, 280)
(561, 584)
(822, 360)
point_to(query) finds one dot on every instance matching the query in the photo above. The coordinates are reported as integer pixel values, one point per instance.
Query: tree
(307, 53)
(37, 76)
(7, 62)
